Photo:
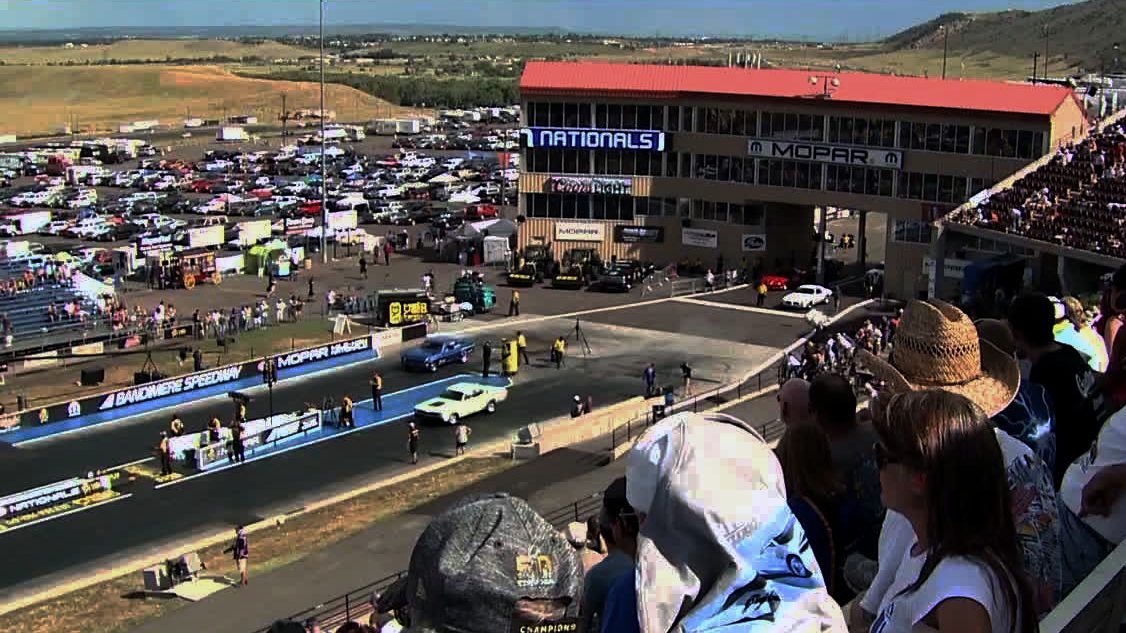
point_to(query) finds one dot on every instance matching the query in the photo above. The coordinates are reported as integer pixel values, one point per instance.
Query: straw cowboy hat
(937, 347)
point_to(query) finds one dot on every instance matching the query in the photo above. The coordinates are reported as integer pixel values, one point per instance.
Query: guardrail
(1098, 604)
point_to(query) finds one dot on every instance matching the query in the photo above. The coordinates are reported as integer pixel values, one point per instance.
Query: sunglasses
(884, 456)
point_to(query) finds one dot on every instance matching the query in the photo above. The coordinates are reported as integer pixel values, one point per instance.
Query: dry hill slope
(41, 99)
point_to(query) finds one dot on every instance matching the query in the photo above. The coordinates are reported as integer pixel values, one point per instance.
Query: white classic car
(461, 400)
(807, 296)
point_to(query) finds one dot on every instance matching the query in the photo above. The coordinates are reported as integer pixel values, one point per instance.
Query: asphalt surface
(100, 536)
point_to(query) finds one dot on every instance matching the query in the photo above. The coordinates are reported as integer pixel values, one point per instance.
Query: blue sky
(821, 19)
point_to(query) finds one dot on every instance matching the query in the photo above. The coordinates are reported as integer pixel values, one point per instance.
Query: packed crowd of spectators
(982, 484)
(1077, 199)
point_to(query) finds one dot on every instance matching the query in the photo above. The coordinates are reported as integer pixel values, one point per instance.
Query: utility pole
(1035, 64)
(284, 118)
(945, 48)
(1046, 58)
(324, 205)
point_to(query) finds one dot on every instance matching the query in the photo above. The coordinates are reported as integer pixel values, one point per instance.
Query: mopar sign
(602, 186)
(164, 388)
(575, 138)
(312, 355)
(579, 231)
(826, 153)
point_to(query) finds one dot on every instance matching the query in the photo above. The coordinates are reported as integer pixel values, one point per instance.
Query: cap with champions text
(491, 564)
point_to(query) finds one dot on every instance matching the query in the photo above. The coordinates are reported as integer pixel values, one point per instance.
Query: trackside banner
(154, 392)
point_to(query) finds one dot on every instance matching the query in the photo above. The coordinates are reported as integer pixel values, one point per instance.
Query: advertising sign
(154, 244)
(626, 234)
(256, 433)
(341, 220)
(298, 226)
(704, 238)
(401, 312)
(580, 138)
(822, 153)
(579, 231)
(582, 184)
(754, 242)
(38, 499)
(249, 233)
(203, 236)
(322, 352)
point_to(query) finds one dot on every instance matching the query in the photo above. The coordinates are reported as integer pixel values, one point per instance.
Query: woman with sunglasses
(942, 469)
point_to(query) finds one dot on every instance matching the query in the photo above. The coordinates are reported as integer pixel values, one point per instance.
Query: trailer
(231, 133)
(28, 222)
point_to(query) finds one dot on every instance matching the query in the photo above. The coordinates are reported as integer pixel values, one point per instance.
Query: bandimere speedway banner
(158, 392)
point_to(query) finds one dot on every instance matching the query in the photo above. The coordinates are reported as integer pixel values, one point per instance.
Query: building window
(673, 119)
(912, 231)
(686, 119)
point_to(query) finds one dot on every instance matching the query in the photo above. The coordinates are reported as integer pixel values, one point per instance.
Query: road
(621, 343)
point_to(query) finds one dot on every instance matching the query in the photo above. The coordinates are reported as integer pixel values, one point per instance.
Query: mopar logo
(817, 152)
(320, 353)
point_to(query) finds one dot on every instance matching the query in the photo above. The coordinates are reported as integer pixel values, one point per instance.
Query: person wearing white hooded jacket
(718, 549)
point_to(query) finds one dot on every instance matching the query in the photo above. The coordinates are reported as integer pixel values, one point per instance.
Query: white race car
(806, 296)
(461, 400)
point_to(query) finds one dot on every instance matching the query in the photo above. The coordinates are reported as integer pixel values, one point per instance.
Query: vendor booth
(194, 266)
(487, 241)
(270, 258)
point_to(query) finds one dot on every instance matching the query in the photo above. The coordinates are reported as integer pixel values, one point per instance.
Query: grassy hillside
(155, 50)
(40, 99)
(1079, 36)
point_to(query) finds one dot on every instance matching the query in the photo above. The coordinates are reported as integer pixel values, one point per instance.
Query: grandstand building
(685, 163)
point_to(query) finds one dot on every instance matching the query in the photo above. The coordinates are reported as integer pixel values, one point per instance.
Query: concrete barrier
(566, 431)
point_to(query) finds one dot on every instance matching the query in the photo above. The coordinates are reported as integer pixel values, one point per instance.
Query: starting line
(364, 417)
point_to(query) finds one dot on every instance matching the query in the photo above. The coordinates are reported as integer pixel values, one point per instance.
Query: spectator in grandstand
(735, 560)
(488, 564)
(1093, 512)
(1111, 319)
(832, 403)
(617, 526)
(1063, 372)
(1029, 417)
(1075, 331)
(959, 567)
(576, 533)
(793, 402)
(938, 348)
(816, 494)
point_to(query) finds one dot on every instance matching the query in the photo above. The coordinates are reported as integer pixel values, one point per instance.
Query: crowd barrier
(120, 403)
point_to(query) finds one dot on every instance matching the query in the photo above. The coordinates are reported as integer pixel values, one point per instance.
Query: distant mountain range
(11, 36)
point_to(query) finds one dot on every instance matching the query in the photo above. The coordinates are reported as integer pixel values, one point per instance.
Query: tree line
(416, 91)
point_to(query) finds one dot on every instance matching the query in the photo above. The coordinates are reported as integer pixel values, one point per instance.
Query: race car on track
(461, 400)
(436, 351)
(781, 281)
(807, 296)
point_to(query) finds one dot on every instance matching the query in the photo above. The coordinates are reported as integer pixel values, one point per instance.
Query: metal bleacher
(27, 309)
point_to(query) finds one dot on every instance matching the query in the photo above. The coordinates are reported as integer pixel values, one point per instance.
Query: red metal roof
(668, 82)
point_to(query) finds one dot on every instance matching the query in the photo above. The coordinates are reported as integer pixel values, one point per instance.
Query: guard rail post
(347, 608)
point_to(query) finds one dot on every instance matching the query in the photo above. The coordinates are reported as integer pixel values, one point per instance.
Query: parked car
(461, 400)
(614, 279)
(436, 351)
(806, 296)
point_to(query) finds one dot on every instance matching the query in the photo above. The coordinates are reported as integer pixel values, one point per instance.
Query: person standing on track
(346, 419)
(650, 377)
(686, 376)
(238, 449)
(165, 452)
(461, 437)
(486, 358)
(376, 391)
(514, 304)
(558, 349)
(176, 426)
(412, 442)
(522, 346)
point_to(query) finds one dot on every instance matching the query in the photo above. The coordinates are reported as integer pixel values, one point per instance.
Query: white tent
(486, 228)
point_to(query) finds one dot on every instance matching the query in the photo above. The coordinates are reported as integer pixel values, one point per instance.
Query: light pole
(945, 48)
(324, 206)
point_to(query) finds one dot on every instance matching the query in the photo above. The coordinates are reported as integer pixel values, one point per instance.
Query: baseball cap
(491, 563)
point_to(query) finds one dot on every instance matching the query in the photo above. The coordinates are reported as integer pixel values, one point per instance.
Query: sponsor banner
(579, 231)
(582, 184)
(204, 236)
(406, 312)
(322, 352)
(249, 233)
(42, 359)
(627, 234)
(298, 226)
(88, 349)
(175, 386)
(178, 331)
(38, 499)
(704, 238)
(258, 433)
(579, 138)
(342, 220)
(153, 245)
(754, 242)
(823, 153)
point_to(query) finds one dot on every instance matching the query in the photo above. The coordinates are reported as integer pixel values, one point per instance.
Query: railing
(1098, 604)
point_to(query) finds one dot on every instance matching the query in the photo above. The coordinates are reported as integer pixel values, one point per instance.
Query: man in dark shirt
(1064, 374)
